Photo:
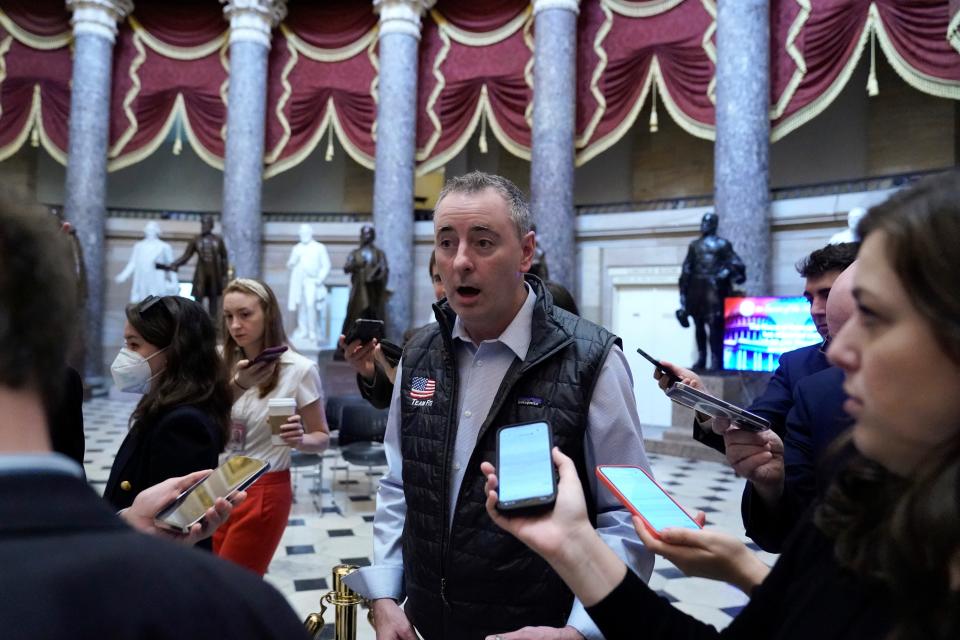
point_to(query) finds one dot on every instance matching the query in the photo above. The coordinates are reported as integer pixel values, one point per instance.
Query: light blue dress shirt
(612, 436)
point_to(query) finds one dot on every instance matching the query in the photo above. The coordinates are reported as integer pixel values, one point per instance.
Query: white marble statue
(147, 279)
(850, 233)
(309, 265)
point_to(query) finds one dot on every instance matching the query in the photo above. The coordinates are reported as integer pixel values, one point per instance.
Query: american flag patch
(422, 388)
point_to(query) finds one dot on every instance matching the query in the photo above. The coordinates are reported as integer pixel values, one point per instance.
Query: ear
(528, 245)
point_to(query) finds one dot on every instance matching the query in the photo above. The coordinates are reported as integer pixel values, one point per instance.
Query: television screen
(758, 330)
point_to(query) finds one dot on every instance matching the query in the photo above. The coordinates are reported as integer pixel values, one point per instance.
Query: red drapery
(171, 72)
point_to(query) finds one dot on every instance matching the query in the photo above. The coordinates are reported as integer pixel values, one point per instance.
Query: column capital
(254, 20)
(566, 5)
(98, 17)
(401, 16)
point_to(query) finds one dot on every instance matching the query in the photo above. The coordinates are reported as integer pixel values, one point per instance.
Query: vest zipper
(443, 591)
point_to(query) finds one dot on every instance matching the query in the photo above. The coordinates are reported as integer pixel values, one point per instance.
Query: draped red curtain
(651, 57)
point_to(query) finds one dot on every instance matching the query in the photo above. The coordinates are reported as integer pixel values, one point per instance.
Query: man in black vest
(501, 353)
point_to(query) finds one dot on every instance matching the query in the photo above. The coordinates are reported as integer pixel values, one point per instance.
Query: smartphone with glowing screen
(524, 467)
(644, 497)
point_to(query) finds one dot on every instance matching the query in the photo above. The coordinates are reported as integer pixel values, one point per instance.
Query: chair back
(334, 407)
(362, 423)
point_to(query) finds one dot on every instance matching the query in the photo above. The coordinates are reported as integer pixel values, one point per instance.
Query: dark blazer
(178, 442)
(66, 419)
(777, 399)
(814, 422)
(72, 569)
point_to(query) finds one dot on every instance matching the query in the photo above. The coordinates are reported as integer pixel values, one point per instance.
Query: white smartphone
(644, 497)
(235, 474)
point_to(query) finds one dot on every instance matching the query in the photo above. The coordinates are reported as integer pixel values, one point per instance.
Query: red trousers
(251, 535)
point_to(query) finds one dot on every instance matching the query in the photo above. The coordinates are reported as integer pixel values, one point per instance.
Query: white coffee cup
(278, 410)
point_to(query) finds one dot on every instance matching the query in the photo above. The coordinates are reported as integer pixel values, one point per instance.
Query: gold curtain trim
(4, 48)
(55, 152)
(528, 70)
(645, 10)
(707, 43)
(282, 102)
(912, 76)
(798, 59)
(352, 150)
(424, 153)
(225, 86)
(20, 139)
(329, 55)
(953, 30)
(132, 93)
(205, 155)
(602, 60)
(175, 52)
(45, 43)
(374, 84)
(487, 38)
(303, 152)
(614, 136)
(119, 160)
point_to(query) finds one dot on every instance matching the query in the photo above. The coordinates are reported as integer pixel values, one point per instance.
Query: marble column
(251, 25)
(742, 150)
(94, 33)
(396, 150)
(554, 120)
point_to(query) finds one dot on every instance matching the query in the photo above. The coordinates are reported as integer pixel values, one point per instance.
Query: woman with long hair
(879, 557)
(252, 322)
(180, 424)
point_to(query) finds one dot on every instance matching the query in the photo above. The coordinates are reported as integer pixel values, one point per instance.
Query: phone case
(531, 504)
(622, 498)
(713, 406)
(163, 514)
(365, 330)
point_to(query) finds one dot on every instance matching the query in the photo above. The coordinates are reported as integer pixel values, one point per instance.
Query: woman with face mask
(252, 323)
(879, 556)
(180, 424)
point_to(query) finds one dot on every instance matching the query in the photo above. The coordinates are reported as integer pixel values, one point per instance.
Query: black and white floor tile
(331, 521)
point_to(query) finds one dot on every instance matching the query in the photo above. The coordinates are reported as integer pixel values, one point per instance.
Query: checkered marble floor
(331, 521)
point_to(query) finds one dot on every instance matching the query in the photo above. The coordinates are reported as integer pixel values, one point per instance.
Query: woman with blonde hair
(252, 322)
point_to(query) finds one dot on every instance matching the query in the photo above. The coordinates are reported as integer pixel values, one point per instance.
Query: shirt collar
(22, 463)
(517, 334)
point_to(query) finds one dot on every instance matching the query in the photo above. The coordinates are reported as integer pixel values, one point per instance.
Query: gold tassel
(873, 88)
(177, 141)
(328, 156)
(654, 121)
(483, 131)
(35, 135)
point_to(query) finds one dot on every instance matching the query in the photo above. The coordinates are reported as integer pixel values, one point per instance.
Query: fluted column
(396, 150)
(251, 25)
(554, 120)
(94, 33)
(741, 154)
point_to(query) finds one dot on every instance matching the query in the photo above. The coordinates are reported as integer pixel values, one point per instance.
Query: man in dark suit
(71, 567)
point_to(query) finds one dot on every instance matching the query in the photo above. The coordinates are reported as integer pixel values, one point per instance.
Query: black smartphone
(365, 330)
(269, 354)
(391, 352)
(525, 467)
(670, 374)
(235, 474)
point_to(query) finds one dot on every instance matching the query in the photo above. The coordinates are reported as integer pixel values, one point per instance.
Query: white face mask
(131, 371)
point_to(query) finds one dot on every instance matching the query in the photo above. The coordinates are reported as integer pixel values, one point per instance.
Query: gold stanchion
(345, 602)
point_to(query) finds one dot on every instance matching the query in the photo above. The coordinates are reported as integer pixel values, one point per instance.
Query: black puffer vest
(473, 579)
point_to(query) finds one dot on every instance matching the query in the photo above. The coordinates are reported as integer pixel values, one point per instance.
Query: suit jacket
(178, 442)
(72, 569)
(66, 419)
(777, 399)
(815, 421)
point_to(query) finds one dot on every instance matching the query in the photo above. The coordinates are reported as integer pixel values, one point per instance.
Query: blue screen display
(648, 499)
(526, 469)
(757, 331)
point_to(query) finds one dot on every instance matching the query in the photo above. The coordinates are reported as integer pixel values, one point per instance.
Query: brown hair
(905, 532)
(193, 374)
(273, 333)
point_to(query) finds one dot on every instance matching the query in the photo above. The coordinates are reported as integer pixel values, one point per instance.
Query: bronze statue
(367, 266)
(538, 266)
(709, 272)
(210, 276)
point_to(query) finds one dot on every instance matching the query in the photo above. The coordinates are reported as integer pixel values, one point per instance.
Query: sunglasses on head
(151, 300)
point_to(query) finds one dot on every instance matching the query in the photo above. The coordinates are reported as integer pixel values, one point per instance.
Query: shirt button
(456, 466)
(126, 486)
(468, 413)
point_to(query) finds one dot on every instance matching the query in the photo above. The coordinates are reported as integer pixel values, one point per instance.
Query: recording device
(269, 354)
(525, 467)
(391, 352)
(671, 376)
(235, 474)
(715, 407)
(365, 330)
(644, 497)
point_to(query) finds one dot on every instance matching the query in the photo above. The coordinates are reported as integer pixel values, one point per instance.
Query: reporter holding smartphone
(879, 555)
(180, 424)
(252, 323)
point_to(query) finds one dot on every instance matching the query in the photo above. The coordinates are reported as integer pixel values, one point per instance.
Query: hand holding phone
(664, 371)
(525, 467)
(644, 497)
(269, 354)
(365, 330)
